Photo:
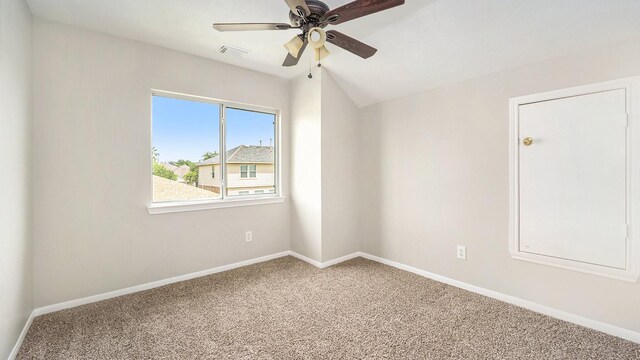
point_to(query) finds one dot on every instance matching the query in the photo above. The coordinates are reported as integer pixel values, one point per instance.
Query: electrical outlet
(462, 252)
(248, 236)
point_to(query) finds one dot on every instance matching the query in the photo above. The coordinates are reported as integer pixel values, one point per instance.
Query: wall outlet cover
(461, 252)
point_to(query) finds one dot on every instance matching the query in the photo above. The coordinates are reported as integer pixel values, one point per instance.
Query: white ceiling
(422, 44)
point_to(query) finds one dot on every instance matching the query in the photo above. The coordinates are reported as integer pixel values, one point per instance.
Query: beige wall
(340, 179)
(92, 114)
(325, 155)
(306, 185)
(264, 177)
(437, 167)
(16, 286)
(204, 176)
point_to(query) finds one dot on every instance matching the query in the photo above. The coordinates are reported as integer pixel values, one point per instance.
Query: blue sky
(187, 129)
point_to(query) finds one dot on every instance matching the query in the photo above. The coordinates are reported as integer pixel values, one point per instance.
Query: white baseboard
(558, 314)
(562, 315)
(25, 329)
(325, 264)
(315, 263)
(354, 255)
(154, 284)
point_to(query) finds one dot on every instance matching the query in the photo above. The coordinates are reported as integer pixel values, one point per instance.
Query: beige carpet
(287, 309)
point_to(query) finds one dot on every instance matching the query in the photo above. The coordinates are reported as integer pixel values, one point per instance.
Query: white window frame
(224, 201)
(631, 272)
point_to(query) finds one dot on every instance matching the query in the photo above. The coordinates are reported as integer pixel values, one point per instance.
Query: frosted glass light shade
(294, 46)
(322, 37)
(321, 53)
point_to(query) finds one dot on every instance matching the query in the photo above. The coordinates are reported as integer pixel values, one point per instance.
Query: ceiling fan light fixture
(294, 46)
(321, 53)
(316, 44)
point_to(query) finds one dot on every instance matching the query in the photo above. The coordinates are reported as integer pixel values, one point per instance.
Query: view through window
(250, 152)
(187, 137)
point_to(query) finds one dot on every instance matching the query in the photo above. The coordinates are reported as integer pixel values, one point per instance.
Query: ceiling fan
(311, 17)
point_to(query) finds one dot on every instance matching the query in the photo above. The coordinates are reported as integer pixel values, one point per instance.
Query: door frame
(631, 272)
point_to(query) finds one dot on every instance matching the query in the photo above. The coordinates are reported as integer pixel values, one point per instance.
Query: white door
(572, 178)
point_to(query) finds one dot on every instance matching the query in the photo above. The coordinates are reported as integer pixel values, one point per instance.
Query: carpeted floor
(287, 309)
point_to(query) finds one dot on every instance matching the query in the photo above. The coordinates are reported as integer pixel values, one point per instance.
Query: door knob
(527, 141)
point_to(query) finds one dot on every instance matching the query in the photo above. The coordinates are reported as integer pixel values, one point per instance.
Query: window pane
(185, 150)
(250, 150)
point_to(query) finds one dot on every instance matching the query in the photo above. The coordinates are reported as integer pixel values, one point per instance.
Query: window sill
(174, 207)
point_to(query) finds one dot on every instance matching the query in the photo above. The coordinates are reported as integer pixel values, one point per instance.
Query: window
(248, 171)
(193, 136)
(250, 146)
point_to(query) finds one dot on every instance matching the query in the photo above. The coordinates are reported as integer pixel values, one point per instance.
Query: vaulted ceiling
(422, 44)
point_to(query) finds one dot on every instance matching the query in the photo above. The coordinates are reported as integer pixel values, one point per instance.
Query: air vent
(233, 51)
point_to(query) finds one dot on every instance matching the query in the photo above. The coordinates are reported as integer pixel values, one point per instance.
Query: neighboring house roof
(169, 166)
(182, 171)
(164, 190)
(249, 154)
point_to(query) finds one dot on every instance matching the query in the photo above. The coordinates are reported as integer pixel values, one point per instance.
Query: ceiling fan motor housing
(315, 19)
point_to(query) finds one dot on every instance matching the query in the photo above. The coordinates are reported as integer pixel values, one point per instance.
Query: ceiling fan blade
(290, 60)
(350, 44)
(250, 26)
(359, 8)
(299, 7)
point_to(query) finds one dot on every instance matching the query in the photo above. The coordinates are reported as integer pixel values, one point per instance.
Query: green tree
(161, 171)
(191, 177)
(209, 154)
(181, 162)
